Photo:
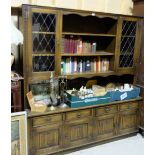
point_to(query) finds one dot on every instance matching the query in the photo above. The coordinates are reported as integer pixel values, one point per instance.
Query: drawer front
(46, 120)
(128, 106)
(78, 114)
(106, 110)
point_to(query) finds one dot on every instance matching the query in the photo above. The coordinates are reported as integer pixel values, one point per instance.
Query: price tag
(123, 96)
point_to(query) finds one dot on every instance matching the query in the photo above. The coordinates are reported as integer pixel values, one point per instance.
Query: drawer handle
(78, 115)
(107, 109)
(48, 119)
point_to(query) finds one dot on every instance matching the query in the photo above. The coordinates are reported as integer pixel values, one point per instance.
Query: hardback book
(79, 46)
(72, 65)
(94, 64)
(94, 47)
(98, 64)
(75, 65)
(83, 65)
(88, 65)
(62, 66)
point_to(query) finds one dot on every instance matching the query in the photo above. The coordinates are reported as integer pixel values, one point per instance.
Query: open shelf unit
(78, 44)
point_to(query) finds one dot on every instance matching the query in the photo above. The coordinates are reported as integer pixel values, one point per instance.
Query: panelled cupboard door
(105, 126)
(128, 121)
(129, 42)
(41, 33)
(46, 140)
(78, 132)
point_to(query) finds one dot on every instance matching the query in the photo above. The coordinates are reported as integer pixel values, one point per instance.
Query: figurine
(53, 94)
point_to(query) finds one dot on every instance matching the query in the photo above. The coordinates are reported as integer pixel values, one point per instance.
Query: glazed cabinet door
(129, 42)
(128, 121)
(41, 38)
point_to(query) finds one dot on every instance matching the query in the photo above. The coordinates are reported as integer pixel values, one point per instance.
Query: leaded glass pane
(43, 63)
(127, 44)
(43, 43)
(43, 22)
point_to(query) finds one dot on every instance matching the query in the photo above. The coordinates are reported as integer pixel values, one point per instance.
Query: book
(75, 65)
(93, 47)
(83, 65)
(88, 65)
(79, 46)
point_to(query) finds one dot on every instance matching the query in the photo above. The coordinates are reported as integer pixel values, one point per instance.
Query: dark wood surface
(62, 129)
(138, 9)
(16, 100)
(51, 133)
(112, 25)
(33, 114)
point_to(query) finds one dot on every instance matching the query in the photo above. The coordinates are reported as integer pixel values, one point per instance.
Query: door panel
(105, 126)
(46, 140)
(78, 132)
(128, 121)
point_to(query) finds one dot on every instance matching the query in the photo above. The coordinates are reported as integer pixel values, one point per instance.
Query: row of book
(79, 65)
(72, 45)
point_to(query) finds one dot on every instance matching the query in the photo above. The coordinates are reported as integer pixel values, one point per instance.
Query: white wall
(109, 6)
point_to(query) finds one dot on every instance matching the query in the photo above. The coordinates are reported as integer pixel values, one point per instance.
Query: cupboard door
(128, 121)
(77, 133)
(41, 37)
(45, 140)
(129, 44)
(105, 126)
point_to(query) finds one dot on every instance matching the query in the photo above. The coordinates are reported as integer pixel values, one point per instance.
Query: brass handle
(78, 115)
(107, 109)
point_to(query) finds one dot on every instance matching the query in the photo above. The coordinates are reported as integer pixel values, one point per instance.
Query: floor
(129, 146)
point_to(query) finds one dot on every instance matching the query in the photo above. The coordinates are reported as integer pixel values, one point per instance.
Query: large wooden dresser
(59, 130)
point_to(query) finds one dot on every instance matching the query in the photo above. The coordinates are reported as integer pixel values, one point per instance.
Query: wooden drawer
(46, 120)
(128, 106)
(106, 110)
(78, 114)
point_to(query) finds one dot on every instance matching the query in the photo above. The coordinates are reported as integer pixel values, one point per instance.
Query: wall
(110, 6)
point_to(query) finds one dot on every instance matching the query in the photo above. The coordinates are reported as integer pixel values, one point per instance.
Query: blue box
(117, 95)
(75, 102)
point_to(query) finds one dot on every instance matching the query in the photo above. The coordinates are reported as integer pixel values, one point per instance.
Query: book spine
(94, 47)
(75, 65)
(83, 65)
(95, 65)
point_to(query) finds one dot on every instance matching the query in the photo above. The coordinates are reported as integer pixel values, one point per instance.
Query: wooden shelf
(88, 54)
(88, 34)
(38, 32)
(43, 54)
(89, 74)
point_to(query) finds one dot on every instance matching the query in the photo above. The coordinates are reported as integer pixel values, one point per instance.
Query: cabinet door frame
(128, 70)
(128, 129)
(105, 135)
(29, 75)
(37, 132)
(67, 132)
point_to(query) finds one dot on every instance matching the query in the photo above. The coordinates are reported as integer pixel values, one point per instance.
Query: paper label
(123, 96)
